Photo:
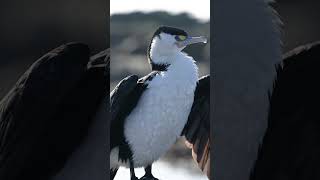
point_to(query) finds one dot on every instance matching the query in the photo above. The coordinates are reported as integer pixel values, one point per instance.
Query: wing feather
(290, 147)
(47, 113)
(197, 129)
(120, 94)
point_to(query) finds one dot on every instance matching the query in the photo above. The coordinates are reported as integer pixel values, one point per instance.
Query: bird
(150, 113)
(50, 121)
(265, 124)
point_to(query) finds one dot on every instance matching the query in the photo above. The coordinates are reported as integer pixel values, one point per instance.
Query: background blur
(132, 25)
(31, 28)
(300, 22)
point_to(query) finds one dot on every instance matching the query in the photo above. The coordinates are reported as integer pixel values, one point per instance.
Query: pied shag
(150, 113)
(266, 124)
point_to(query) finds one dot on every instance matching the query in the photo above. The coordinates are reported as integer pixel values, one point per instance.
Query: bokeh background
(300, 21)
(31, 28)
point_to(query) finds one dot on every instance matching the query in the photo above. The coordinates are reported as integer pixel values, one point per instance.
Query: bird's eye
(181, 38)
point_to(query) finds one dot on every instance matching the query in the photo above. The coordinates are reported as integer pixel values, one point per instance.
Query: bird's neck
(181, 66)
(182, 70)
(246, 48)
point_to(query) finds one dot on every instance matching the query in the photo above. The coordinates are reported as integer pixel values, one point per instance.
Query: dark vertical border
(211, 92)
(107, 15)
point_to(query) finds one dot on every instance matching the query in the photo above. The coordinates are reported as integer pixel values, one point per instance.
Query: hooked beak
(191, 40)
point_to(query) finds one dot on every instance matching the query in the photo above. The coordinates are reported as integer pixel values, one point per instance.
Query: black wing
(291, 146)
(47, 113)
(123, 100)
(120, 93)
(197, 129)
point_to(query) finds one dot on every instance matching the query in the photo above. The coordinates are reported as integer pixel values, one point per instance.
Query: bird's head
(166, 43)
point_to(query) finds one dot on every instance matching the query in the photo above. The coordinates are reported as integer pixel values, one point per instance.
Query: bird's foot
(148, 177)
(134, 178)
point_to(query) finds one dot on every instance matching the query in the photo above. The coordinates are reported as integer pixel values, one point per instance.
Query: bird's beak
(191, 40)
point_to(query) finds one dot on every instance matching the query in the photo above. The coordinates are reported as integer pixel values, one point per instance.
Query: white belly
(163, 111)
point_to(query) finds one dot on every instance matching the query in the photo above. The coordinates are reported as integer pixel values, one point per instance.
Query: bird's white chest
(153, 127)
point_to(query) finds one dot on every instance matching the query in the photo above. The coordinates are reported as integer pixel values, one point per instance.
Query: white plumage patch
(162, 111)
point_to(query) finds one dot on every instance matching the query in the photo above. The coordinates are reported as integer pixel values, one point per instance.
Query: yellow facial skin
(182, 38)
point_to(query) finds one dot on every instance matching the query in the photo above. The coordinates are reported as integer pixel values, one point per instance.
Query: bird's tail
(113, 173)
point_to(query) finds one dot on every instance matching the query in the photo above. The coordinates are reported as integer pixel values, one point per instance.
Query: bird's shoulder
(123, 89)
(128, 84)
(148, 77)
(307, 50)
(128, 91)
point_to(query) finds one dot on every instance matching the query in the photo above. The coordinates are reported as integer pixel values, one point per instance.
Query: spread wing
(197, 129)
(47, 113)
(291, 145)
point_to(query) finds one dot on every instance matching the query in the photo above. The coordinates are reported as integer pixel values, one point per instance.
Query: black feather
(197, 128)
(46, 115)
(291, 146)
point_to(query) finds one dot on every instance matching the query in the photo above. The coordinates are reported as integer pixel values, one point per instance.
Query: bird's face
(167, 42)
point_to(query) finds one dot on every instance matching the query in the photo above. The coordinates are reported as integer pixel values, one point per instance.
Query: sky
(198, 8)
